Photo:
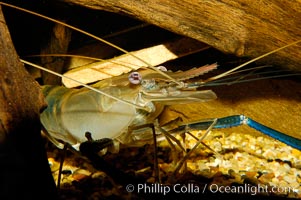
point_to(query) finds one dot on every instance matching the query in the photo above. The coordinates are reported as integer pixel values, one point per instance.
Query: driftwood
(24, 168)
(58, 43)
(242, 27)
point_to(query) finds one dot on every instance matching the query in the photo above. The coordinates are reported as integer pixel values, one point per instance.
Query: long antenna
(93, 36)
(253, 60)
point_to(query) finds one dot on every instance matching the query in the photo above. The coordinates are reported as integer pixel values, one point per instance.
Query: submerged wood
(58, 43)
(243, 27)
(24, 168)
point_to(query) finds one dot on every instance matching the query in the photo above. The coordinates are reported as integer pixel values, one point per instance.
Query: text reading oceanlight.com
(157, 188)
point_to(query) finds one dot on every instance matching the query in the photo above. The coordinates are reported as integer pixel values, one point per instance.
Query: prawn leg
(156, 163)
(182, 161)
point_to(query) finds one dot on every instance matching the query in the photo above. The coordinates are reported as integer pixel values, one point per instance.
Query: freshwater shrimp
(146, 107)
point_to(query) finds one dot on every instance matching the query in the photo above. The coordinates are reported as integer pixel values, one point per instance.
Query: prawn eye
(135, 78)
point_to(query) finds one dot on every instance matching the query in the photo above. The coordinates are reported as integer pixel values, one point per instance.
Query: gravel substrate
(236, 164)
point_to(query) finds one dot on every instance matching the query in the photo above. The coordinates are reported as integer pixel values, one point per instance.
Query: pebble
(98, 174)
(251, 174)
(295, 185)
(266, 178)
(54, 165)
(80, 174)
(236, 177)
(269, 154)
(289, 179)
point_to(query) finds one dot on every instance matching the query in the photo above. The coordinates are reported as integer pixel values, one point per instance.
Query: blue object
(238, 120)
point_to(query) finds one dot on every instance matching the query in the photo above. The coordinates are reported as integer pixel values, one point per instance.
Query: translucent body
(73, 112)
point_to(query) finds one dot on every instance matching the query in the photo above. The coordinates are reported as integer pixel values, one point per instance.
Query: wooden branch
(58, 43)
(24, 168)
(242, 27)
